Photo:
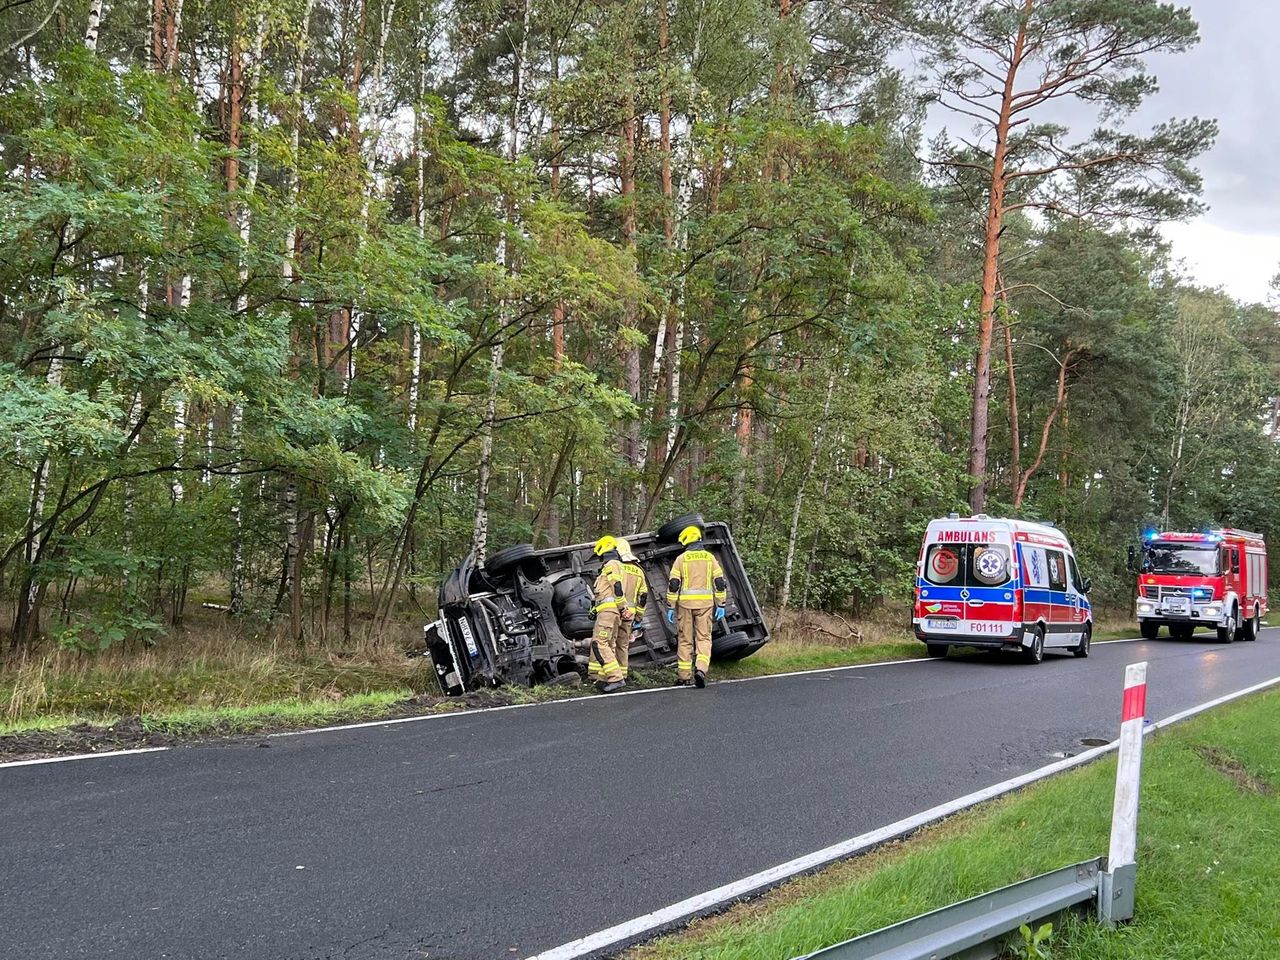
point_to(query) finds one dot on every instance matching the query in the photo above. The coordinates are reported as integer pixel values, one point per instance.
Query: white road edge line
(469, 712)
(649, 923)
(82, 756)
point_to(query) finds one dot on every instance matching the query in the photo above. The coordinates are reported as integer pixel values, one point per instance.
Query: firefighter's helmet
(690, 535)
(624, 550)
(605, 544)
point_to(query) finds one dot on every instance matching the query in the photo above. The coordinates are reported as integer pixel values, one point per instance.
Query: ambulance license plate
(1181, 606)
(932, 624)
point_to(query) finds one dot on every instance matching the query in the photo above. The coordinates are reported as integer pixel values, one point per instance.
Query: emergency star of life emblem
(990, 565)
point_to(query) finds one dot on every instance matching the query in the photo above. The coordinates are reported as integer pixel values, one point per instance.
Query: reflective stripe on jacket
(696, 581)
(606, 595)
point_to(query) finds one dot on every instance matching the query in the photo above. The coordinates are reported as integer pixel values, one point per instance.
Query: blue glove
(671, 616)
(637, 623)
(719, 613)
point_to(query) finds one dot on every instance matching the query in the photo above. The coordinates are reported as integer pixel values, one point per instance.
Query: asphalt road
(500, 834)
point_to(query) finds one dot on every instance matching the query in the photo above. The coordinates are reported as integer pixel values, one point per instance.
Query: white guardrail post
(1116, 892)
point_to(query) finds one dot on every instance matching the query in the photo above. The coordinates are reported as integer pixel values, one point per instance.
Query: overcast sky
(1233, 75)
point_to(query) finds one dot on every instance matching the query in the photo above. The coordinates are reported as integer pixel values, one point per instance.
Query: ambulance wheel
(1035, 652)
(937, 650)
(504, 560)
(1228, 633)
(1082, 648)
(1149, 629)
(669, 532)
(1249, 629)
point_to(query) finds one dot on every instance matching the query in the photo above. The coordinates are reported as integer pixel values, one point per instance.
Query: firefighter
(696, 594)
(613, 615)
(635, 591)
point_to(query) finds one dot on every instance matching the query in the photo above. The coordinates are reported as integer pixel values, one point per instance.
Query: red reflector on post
(1135, 703)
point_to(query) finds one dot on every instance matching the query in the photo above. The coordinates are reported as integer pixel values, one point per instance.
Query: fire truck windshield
(1188, 560)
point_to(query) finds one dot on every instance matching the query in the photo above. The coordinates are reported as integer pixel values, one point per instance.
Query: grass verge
(1207, 885)
(211, 683)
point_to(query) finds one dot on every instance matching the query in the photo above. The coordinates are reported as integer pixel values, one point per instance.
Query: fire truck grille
(1175, 591)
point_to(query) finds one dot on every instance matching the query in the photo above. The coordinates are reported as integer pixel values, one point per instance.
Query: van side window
(1057, 569)
(1076, 579)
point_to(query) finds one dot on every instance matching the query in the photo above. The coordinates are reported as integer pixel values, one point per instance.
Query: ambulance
(1000, 584)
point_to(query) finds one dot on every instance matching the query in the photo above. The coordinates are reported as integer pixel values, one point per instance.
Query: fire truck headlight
(1144, 607)
(1212, 610)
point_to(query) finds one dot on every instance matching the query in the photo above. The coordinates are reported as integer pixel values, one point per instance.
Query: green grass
(1208, 888)
(785, 657)
(282, 713)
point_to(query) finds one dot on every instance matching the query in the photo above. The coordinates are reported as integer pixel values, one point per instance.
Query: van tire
(937, 650)
(732, 646)
(1035, 652)
(1149, 629)
(1082, 648)
(1228, 633)
(504, 560)
(669, 532)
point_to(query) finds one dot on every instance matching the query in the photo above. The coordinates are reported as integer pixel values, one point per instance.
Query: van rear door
(967, 587)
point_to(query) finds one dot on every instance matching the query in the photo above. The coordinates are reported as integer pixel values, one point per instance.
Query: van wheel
(1250, 627)
(937, 650)
(669, 532)
(1228, 633)
(1149, 629)
(504, 560)
(1035, 652)
(1082, 648)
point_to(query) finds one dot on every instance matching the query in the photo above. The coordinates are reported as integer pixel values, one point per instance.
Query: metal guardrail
(977, 928)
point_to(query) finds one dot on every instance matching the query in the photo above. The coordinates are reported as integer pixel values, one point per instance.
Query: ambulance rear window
(967, 565)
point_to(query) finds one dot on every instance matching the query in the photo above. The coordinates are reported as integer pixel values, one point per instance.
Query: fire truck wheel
(1149, 629)
(1035, 652)
(937, 650)
(1181, 631)
(1082, 648)
(1251, 627)
(1228, 633)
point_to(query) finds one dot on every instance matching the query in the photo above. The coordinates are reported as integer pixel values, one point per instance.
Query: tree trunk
(92, 25)
(480, 531)
(793, 535)
(979, 424)
(1015, 437)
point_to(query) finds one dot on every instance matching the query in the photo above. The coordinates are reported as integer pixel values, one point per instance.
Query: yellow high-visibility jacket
(608, 588)
(635, 588)
(697, 581)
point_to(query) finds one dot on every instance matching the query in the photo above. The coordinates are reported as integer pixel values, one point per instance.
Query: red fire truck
(1216, 579)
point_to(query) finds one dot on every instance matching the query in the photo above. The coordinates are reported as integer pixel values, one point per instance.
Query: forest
(303, 300)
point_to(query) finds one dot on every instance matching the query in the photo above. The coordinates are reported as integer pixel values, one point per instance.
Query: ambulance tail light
(1017, 606)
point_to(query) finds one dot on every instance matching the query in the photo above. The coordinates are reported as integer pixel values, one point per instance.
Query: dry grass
(205, 665)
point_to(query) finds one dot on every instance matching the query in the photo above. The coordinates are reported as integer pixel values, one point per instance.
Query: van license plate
(1178, 605)
(942, 624)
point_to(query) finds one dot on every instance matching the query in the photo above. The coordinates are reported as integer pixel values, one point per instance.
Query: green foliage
(248, 358)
